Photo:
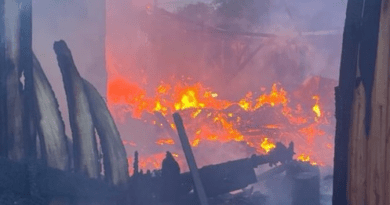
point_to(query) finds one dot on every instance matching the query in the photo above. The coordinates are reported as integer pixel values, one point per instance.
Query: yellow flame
(196, 113)
(195, 143)
(303, 158)
(165, 141)
(267, 145)
(316, 108)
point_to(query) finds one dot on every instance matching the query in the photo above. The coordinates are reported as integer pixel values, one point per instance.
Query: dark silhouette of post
(190, 159)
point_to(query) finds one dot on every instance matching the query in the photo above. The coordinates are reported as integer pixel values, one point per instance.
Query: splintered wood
(369, 156)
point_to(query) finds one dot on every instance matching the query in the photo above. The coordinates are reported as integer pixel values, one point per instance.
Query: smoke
(131, 52)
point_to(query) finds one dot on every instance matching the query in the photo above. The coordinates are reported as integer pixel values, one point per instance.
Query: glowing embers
(276, 97)
(255, 121)
(316, 108)
(267, 145)
(306, 158)
(165, 142)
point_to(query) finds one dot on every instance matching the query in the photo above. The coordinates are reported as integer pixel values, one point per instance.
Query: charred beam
(190, 159)
(81, 122)
(3, 106)
(114, 153)
(26, 65)
(51, 127)
(344, 98)
(15, 45)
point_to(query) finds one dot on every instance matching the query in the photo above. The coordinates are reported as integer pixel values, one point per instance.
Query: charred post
(17, 59)
(344, 97)
(51, 127)
(114, 153)
(3, 96)
(190, 159)
(81, 121)
(26, 65)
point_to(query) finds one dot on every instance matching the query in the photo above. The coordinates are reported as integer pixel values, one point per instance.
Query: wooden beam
(81, 121)
(357, 150)
(26, 65)
(3, 97)
(190, 159)
(378, 71)
(51, 127)
(344, 97)
(116, 169)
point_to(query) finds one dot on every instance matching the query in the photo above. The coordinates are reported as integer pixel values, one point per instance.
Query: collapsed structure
(42, 166)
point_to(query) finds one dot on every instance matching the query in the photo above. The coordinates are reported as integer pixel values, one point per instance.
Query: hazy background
(91, 31)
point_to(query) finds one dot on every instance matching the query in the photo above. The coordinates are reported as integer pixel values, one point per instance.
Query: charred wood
(190, 159)
(15, 109)
(114, 153)
(53, 182)
(13, 67)
(51, 127)
(344, 98)
(3, 106)
(81, 122)
(26, 66)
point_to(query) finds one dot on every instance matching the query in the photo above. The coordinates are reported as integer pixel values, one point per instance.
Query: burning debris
(258, 123)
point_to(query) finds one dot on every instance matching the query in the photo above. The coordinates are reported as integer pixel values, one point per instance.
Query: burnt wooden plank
(357, 150)
(3, 106)
(190, 159)
(81, 122)
(51, 127)
(344, 97)
(115, 162)
(26, 64)
(376, 148)
(14, 55)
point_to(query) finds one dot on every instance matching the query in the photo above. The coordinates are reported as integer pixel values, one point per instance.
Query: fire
(316, 108)
(306, 158)
(267, 145)
(303, 158)
(208, 120)
(165, 141)
(276, 97)
(311, 132)
(195, 143)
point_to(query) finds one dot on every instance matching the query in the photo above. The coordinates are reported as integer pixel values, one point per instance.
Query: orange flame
(213, 123)
(165, 141)
(267, 145)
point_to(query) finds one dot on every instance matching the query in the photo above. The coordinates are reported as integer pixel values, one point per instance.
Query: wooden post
(26, 65)
(344, 97)
(190, 159)
(361, 106)
(3, 97)
(81, 121)
(16, 55)
(377, 67)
